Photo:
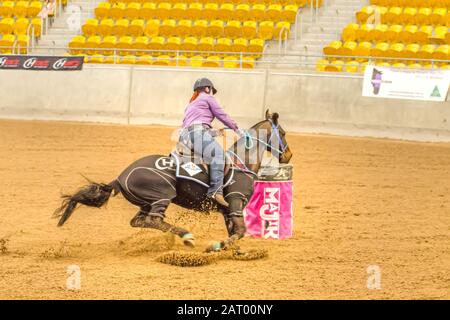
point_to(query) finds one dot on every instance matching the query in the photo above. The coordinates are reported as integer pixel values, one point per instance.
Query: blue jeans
(199, 138)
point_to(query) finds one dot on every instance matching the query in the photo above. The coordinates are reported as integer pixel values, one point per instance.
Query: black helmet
(204, 82)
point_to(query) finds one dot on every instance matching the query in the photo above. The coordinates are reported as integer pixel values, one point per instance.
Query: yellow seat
(144, 60)
(256, 46)
(180, 61)
(183, 28)
(120, 27)
(352, 66)
(408, 15)
(321, 64)
(102, 10)
(423, 16)
(133, 10)
(136, 28)
(6, 25)
(92, 44)
(89, 28)
(34, 8)
(36, 27)
(178, 10)
(124, 46)
(442, 52)
(335, 66)
(205, 44)
(282, 30)
(233, 29)
(167, 27)
(105, 27)
(163, 10)
(348, 49)
(21, 9)
(152, 28)
(411, 51)
(240, 45)
(223, 45)
(349, 32)
(21, 26)
(249, 29)
(194, 11)
(7, 9)
(211, 10)
(408, 34)
(365, 32)
(426, 51)
(173, 44)
(423, 34)
(393, 15)
(379, 33)
(108, 45)
(77, 44)
(266, 30)
(399, 65)
(162, 60)
(248, 62)
(438, 16)
(414, 66)
(231, 62)
(258, 12)
(211, 62)
(148, 10)
(156, 44)
(139, 45)
(438, 35)
(289, 13)
(380, 49)
(21, 43)
(395, 50)
(242, 12)
(95, 58)
(215, 28)
(196, 61)
(333, 48)
(199, 28)
(273, 12)
(226, 11)
(189, 44)
(364, 14)
(393, 33)
(363, 49)
(127, 59)
(117, 10)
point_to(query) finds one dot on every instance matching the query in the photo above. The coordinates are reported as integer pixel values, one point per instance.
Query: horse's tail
(92, 195)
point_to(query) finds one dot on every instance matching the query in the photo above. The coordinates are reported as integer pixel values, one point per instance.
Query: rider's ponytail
(194, 96)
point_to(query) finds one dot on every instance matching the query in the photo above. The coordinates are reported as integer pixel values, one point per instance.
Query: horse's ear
(268, 115)
(275, 117)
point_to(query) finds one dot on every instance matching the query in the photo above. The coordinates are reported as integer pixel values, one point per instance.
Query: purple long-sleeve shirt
(203, 110)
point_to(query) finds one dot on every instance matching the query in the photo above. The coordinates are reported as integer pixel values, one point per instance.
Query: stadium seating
(208, 33)
(399, 30)
(15, 20)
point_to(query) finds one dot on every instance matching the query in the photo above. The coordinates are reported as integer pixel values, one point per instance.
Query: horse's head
(276, 140)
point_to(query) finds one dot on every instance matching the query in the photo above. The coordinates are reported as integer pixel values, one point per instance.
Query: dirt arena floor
(358, 202)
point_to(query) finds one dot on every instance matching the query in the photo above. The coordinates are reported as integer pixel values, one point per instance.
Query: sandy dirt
(358, 202)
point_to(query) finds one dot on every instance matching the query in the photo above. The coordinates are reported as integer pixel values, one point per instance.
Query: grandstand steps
(61, 32)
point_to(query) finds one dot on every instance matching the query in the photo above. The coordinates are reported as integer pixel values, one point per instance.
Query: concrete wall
(315, 103)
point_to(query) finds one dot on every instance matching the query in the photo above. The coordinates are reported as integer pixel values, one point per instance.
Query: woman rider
(197, 133)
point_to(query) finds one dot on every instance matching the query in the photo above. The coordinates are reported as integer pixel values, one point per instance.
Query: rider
(197, 132)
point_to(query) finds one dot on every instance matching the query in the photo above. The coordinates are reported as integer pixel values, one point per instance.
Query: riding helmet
(204, 82)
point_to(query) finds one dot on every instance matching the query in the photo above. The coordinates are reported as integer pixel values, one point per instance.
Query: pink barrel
(269, 214)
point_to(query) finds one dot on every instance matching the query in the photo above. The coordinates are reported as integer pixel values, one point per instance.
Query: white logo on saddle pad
(191, 168)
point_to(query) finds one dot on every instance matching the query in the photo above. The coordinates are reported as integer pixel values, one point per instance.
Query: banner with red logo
(268, 214)
(40, 63)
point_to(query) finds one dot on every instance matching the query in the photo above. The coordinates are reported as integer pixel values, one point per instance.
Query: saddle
(187, 154)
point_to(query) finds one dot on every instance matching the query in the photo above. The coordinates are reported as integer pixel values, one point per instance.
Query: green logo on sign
(436, 92)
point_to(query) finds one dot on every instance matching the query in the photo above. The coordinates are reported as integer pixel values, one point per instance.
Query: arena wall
(307, 102)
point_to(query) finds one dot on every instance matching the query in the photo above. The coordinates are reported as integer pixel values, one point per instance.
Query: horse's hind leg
(153, 217)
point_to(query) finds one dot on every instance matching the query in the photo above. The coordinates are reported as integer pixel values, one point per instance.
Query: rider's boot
(220, 200)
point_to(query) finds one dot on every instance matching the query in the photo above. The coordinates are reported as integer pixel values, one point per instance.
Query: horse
(154, 182)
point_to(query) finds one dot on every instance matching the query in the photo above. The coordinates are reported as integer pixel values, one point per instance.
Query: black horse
(155, 181)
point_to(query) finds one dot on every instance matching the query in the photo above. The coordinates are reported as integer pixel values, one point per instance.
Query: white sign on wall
(398, 83)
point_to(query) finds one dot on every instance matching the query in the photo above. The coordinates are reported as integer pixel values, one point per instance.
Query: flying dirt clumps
(196, 259)
(146, 241)
(3, 246)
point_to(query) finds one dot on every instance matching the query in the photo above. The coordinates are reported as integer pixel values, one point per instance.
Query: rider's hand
(240, 132)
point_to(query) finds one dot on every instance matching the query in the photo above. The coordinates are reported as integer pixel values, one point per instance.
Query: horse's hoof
(188, 240)
(216, 246)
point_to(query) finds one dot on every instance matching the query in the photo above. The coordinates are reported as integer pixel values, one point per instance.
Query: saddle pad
(186, 169)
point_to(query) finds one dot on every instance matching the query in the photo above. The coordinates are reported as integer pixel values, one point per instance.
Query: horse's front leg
(234, 222)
